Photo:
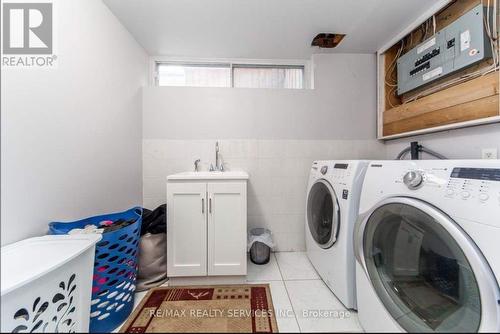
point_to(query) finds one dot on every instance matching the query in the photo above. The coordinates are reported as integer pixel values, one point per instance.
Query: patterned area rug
(205, 309)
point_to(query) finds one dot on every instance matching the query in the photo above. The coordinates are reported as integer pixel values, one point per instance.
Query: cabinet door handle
(202, 205)
(210, 205)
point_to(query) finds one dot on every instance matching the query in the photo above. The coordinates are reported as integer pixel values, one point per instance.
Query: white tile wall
(278, 171)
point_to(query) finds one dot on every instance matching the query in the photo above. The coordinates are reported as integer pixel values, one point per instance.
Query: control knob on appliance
(413, 179)
(483, 197)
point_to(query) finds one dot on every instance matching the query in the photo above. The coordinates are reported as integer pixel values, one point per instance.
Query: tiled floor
(302, 302)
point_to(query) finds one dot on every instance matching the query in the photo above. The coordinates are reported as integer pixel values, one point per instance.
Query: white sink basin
(229, 175)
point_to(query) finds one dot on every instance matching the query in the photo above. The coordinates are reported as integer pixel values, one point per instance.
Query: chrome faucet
(217, 163)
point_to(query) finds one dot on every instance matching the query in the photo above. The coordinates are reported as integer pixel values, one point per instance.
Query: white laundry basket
(46, 284)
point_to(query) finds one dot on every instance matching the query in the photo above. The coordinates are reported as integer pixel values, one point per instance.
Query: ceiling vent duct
(326, 40)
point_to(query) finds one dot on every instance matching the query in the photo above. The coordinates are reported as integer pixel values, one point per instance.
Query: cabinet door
(227, 228)
(186, 229)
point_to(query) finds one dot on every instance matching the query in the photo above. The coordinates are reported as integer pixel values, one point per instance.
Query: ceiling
(262, 29)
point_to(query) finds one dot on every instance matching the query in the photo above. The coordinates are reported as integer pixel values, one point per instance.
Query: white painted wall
(454, 144)
(342, 106)
(273, 134)
(71, 136)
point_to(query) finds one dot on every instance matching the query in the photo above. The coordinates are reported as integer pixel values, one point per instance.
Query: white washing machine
(331, 211)
(427, 246)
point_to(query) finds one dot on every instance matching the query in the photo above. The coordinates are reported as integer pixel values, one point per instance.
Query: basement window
(194, 75)
(268, 76)
(229, 75)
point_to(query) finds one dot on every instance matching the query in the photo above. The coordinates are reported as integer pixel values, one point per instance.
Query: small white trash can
(46, 284)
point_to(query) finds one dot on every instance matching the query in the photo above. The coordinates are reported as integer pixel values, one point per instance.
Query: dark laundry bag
(154, 221)
(153, 249)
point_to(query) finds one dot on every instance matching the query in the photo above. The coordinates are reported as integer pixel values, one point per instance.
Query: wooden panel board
(477, 109)
(472, 90)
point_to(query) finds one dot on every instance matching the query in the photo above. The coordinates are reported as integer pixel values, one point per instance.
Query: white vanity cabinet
(207, 224)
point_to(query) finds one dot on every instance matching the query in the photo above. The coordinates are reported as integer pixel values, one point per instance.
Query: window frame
(270, 63)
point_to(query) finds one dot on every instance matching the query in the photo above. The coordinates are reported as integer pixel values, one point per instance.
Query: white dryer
(331, 211)
(427, 246)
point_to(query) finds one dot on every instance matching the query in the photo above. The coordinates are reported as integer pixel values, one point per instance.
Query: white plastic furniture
(46, 284)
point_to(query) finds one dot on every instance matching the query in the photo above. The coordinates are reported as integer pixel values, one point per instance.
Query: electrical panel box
(461, 44)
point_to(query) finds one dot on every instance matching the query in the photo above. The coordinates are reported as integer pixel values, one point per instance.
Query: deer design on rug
(198, 295)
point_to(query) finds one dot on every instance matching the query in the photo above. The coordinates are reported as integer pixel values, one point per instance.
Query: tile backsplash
(279, 172)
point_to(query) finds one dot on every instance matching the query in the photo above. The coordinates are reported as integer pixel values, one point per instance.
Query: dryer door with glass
(323, 213)
(425, 269)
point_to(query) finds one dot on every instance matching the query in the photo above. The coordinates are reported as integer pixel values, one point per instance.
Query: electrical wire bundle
(389, 80)
(407, 41)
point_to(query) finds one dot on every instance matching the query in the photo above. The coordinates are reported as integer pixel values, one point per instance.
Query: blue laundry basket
(115, 268)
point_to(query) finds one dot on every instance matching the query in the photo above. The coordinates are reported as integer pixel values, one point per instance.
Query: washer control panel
(479, 184)
(486, 174)
(460, 183)
(337, 172)
(463, 189)
(341, 171)
(413, 179)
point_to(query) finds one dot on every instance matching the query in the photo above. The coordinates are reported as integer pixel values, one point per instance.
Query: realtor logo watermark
(28, 34)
